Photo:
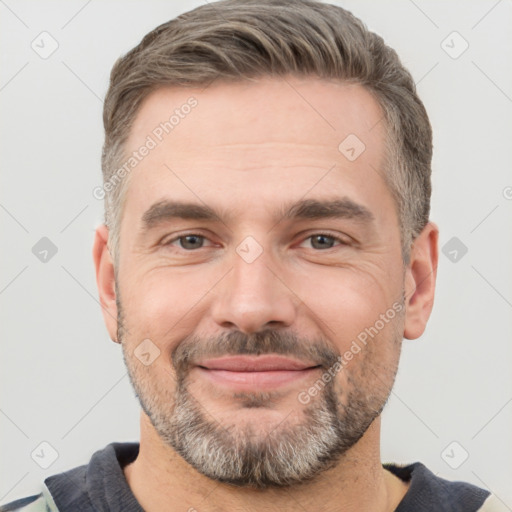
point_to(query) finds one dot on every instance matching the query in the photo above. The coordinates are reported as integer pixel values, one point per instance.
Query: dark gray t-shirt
(100, 486)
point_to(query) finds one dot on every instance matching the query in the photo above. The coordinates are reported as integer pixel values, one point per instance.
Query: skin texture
(248, 150)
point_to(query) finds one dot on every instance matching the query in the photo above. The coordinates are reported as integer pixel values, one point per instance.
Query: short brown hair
(243, 39)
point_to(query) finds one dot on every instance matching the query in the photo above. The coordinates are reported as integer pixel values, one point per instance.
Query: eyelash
(341, 242)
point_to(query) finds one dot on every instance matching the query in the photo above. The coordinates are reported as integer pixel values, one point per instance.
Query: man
(266, 248)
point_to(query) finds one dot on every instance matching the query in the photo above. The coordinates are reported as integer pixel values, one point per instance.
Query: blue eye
(323, 241)
(189, 242)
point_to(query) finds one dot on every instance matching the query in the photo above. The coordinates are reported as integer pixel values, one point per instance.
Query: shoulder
(428, 491)
(36, 503)
(75, 488)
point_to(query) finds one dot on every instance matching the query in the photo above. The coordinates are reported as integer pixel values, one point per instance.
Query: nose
(254, 297)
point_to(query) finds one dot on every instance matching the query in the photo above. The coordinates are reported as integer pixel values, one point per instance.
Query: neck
(161, 479)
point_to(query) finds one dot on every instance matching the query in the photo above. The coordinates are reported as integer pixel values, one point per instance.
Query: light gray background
(63, 380)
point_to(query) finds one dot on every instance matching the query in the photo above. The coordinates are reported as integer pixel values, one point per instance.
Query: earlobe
(105, 280)
(420, 281)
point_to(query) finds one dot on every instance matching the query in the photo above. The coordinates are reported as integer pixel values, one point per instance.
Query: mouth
(255, 373)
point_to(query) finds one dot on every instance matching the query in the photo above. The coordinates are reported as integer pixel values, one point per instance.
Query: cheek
(369, 362)
(359, 313)
(163, 304)
(346, 301)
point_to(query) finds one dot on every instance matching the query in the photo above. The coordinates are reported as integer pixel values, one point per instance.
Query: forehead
(310, 110)
(263, 139)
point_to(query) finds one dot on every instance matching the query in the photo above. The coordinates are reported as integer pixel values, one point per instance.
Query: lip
(242, 373)
(256, 364)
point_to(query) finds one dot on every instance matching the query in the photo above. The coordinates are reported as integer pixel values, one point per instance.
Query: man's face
(261, 276)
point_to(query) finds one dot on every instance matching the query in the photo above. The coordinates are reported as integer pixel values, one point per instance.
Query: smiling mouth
(256, 363)
(262, 372)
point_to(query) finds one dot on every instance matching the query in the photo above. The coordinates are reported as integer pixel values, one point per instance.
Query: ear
(420, 281)
(105, 280)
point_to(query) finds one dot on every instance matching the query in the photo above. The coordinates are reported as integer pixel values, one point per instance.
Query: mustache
(195, 348)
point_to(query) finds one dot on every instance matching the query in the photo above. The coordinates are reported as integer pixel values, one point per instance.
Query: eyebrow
(311, 209)
(343, 208)
(168, 210)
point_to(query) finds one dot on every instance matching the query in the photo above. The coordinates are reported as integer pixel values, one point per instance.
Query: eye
(322, 241)
(188, 242)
